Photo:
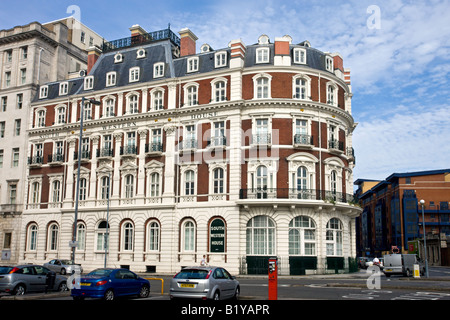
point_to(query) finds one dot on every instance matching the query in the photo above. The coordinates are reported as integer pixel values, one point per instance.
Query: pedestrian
(203, 262)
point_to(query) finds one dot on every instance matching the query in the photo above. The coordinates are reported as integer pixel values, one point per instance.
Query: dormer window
(43, 92)
(63, 88)
(300, 55)
(89, 83)
(262, 55)
(220, 59)
(118, 58)
(158, 70)
(141, 53)
(134, 74)
(329, 64)
(192, 64)
(111, 79)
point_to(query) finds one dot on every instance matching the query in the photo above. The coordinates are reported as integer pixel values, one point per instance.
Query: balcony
(35, 161)
(154, 148)
(105, 153)
(303, 140)
(187, 145)
(336, 145)
(217, 142)
(130, 150)
(141, 39)
(85, 155)
(296, 194)
(55, 159)
(262, 139)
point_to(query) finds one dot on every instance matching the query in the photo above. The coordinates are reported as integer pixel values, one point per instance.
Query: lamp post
(422, 202)
(74, 230)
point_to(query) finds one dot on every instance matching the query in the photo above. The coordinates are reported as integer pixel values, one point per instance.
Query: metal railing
(300, 194)
(140, 39)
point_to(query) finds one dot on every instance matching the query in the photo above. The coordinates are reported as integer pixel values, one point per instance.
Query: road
(357, 286)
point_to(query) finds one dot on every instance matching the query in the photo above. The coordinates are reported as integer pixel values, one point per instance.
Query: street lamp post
(74, 230)
(422, 202)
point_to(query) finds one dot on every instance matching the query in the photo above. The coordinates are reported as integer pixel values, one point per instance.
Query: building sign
(217, 236)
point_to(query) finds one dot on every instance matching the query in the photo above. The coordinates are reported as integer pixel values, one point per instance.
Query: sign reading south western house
(217, 235)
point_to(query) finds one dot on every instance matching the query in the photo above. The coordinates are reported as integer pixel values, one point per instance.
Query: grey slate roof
(161, 51)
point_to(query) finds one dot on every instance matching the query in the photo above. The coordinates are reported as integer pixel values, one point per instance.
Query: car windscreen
(192, 274)
(5, 270)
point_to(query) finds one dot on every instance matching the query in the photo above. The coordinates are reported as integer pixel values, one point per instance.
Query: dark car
(18, 280)
(107, 283)
(204, 283)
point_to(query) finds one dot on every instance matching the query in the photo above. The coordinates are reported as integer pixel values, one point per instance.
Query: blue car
(108, 284)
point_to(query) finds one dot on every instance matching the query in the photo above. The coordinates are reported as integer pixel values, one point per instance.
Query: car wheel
(216, 295)
(408, 273)
(237, 293)
(109, 295)
(145, 291)
(62, 287)
(63, 271)
(19, 290)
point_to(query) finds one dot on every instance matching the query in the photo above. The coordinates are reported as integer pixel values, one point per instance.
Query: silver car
(63, 266)
(204, 283)
(29, 278)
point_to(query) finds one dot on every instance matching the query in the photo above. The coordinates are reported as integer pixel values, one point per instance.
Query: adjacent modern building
(392, 215)
(239, 154)
(29, 55)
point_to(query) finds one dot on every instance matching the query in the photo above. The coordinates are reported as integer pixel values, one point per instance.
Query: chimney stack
(93, 53)
(187, 42)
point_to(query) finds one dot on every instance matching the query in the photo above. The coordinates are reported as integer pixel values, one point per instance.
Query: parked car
(362, 262)
(402, 264)
(204, 283)
(368, 263)
(108, 283)
(64, 266)
(17, 280)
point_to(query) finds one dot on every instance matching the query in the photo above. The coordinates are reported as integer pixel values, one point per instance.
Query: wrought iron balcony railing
(105, 153)
(262, 139)
(220, 141)
(188, 144)
(128, 150)
(85, 155)
(56, 157)
(299, 194)
(35, 160)
(336, 145)
(153, 147)
(303, 139)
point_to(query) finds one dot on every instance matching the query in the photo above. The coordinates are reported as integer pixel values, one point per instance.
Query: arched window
(133, 104)
(32, 237)
(262, 88)
(52, 237)
(83, 189)
(220, 91)
(260, 236)
(334, 237)
(109, 108)
(153, 232)
(188, 236)
(61, 115)
(333, 182)
(40, 119)
(192, 93)
(56, 191)
(35, 193)
(261, 182)
(81, 236)
(128, 236)
(302, 238)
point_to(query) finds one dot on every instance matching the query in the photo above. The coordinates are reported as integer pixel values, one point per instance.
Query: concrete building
(239, 154)
(392, 214)
(29, 55)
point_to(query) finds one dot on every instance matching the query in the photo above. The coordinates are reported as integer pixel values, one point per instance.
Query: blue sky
(398, 52)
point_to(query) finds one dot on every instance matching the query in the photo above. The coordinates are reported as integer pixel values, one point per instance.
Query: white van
(402, 264)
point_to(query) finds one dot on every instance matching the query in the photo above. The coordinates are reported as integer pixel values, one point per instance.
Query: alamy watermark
(374, 20)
